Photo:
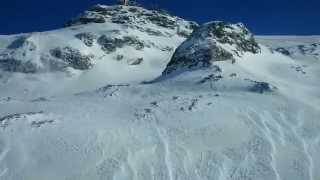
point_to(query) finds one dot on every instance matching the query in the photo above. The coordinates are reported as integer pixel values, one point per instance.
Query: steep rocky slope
(214, 41)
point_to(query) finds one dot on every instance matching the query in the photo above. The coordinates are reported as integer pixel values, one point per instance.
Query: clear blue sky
(294, 17)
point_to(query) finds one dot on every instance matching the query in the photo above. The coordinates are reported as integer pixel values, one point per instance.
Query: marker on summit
(124, 2)
(128, 2)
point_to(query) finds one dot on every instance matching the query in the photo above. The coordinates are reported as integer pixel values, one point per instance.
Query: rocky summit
(213, 41)
(135, 17)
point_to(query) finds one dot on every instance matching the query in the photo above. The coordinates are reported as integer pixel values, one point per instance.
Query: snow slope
(297, 47)
(256, 118)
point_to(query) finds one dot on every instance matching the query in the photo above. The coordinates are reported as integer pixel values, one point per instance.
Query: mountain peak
(132, 15)
(213, 41)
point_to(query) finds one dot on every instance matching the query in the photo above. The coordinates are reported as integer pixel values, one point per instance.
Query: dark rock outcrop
(85, 20)
(134, 16)
(214, 77)
(16, 65)
(232, 34)
(124, 26)
(283, 51)
(134, 62)
(110, 44)
(18, 56)
(261, 87)
(73, 58)
(213, 41)
(22, 42)
(7, 120)
(87, 38)
(310, 50)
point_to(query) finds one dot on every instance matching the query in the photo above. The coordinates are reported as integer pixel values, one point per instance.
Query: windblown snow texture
(74, 104)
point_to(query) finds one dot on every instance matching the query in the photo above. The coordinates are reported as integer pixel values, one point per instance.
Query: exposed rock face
(108, 32)
(15, 65)
(18, 61)
(213, 41)
(87, 38)
(22, 42)
(110, 44)
(283, 51)
(7, 120)
(22, 56)
(311, 50)
(134, 16)
(73, 58)
(33, 119)
(86, 19)
(18, 56)
(261, 87)
(233, 34)
(215, 76)
(135, 62)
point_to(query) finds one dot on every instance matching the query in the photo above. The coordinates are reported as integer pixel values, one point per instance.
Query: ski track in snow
(164, 142)
(272, 132)
(3, 153)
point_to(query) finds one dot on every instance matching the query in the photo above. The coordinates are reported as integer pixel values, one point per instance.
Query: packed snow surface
(255, 118)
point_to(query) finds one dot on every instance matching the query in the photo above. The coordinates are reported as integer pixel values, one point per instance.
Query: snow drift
(72, 105)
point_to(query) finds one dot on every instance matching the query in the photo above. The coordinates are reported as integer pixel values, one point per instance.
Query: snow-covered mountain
(122, 92)
(125, 44)
(293, 46)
